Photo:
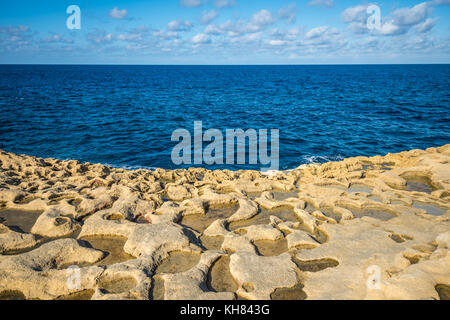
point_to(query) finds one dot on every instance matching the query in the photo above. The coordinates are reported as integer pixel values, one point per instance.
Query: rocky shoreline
(321, 231)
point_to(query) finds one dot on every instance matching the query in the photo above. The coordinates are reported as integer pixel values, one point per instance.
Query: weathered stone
(52, 224)
(393, 222)
(191, 285)
(36, 274)
(258, 276)
(11, 240)
(247, 209)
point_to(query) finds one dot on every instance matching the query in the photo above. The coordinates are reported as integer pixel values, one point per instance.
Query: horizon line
(268, 64)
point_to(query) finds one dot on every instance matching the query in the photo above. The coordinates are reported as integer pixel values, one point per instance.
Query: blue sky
(225, 32)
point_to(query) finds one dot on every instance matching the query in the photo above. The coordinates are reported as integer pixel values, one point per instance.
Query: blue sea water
(124, 115)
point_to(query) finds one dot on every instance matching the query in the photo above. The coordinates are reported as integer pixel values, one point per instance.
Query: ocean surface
(124, 116)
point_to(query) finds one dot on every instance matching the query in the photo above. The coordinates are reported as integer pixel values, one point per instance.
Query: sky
(225, 32)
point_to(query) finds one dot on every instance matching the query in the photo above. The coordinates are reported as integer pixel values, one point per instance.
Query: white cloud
(14, 38)
(191, 3)
(288, 12)
(324, 39)
(56, 38)
(201, 38)
(293, 33)
(179, 25)
(118, 14)
(411, 16)
(276, 42)
(359, 27)
(262, 18)
(213, 29)
(287, 35)
(323, 3)
(224, 3)
(354, 13)
(252, 37)
(389, 28)
(440, 2)
(316, 32)
(426, 26)
(421, 43)
(405, 30)
(241, 27)
(134, 35)
(129, 37)
(397, 23)
(322, 34)
(14, 30)
(208, 16)
(100, 37)
(166, 34)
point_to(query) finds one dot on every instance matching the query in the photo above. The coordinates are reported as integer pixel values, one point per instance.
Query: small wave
(321, 159)
(129, 167)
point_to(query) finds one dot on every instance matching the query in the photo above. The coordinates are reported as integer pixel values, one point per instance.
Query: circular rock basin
(359, 188)
(19, 220)
(118, 285)
(373, 213)
(178, 261)
(157, 291)
(219, 276)
(294, 293)
(353, 188)
(335, 186)
(315, 265)
(271, 247)
(387, 166)
(327, 212)
(281, 196)
(12, 295)
(277, 195)
(263, 217)
(374, 198)
(115, 217)
(431, 209)
(211, 243)
(80, 295)
(200, 222)
(113, 246)
(358, 213)
(419, 184)
(443, 291)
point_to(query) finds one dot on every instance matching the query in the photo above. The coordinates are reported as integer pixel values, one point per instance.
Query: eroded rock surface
(361, 228)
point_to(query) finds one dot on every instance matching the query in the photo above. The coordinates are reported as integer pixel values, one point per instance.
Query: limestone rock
(308, 220)
(33, 273)
(179, 192)
(191, 285)
(247, 210)
(52, 224)
(262, 232)
(11, 240)
(393, 213)
(259, 276)
(393, 180)
(299, 238)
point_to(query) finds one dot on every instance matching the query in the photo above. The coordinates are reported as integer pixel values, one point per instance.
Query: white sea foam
(321, 159)
(129, 167)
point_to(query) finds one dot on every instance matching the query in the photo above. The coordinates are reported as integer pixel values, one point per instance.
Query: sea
(124, 115)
